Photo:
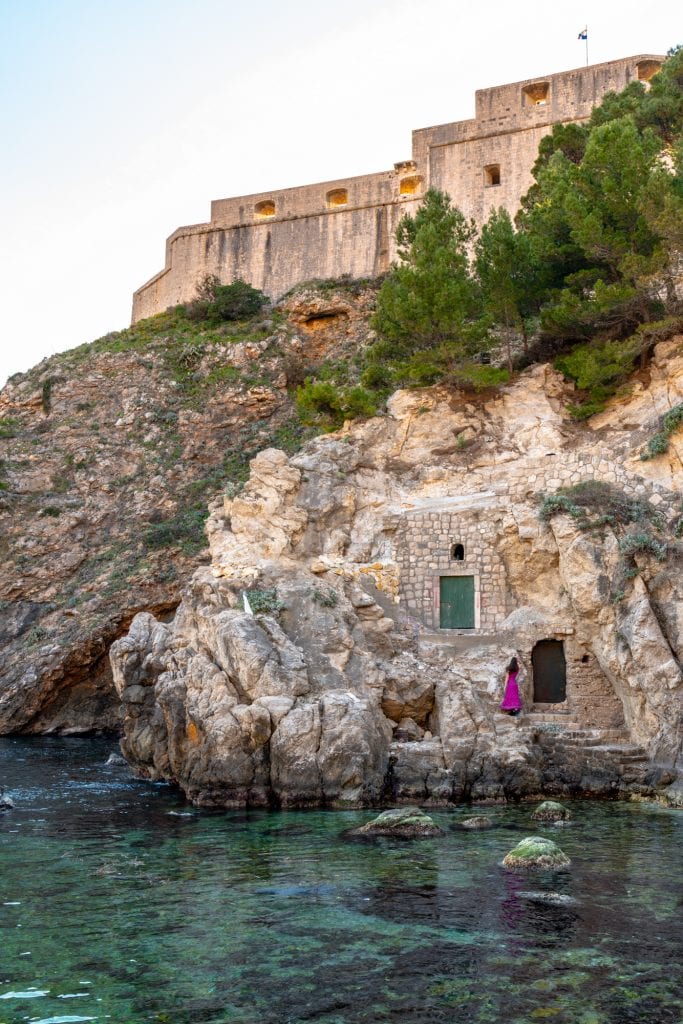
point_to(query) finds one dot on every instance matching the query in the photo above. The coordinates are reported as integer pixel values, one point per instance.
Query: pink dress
(511, 700)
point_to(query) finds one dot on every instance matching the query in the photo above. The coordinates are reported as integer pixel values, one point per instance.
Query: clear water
(114, 907)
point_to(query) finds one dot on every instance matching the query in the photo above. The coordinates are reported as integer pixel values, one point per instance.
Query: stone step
(628, 752)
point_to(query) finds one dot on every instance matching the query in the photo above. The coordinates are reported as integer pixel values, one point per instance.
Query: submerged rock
(402, 823)
(477, 822)
(553, 899)
(536, 852)
(6, 801)
(550, 810)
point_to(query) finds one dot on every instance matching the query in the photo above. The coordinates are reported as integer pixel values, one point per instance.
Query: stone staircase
(563, 738)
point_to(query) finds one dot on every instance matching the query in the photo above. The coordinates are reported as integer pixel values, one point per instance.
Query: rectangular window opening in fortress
(409, 186)
(491, 175)
(536, 95)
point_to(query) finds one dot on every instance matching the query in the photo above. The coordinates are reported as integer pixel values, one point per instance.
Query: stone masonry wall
(278, 239)
(424, 542)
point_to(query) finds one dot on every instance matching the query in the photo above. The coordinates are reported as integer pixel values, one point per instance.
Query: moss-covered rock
(549, 810)
(402, 823)
(479, 821)
(536, 852)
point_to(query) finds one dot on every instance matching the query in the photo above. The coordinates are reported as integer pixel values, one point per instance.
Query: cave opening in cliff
(322, 320)
(549, 670)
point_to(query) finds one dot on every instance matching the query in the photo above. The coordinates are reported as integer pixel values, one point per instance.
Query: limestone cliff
(315, 660)
(108, 456)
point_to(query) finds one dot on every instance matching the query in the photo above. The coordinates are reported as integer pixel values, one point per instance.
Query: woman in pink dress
(511, 701)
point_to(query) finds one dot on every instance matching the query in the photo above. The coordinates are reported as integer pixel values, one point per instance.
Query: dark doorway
(550, 672)
(456, 602)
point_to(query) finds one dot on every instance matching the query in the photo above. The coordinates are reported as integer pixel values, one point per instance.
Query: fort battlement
(277, 239)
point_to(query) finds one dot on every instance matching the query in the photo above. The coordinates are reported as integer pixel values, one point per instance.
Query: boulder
(549, 810)
(408, 731)
(536, 852)
(6, 802)
(478, 822)
(401, 823)
(115, 759)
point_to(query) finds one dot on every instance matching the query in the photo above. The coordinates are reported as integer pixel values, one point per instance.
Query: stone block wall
(424, 541)
(278, 239)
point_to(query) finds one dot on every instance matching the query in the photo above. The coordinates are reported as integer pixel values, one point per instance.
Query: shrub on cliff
(216, 302)
(323, 404)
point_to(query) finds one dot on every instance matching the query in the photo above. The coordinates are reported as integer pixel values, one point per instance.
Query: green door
(457, 602)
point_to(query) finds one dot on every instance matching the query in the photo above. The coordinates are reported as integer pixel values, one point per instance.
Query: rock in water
(6, 802)
(549, 810)
(116, 759)
(402, 823)
(536, 852)
(475, 823)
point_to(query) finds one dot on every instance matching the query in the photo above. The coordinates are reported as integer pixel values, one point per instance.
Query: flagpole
(586, 45)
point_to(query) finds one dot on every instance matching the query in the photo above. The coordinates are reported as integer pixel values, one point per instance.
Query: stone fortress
(275, 240)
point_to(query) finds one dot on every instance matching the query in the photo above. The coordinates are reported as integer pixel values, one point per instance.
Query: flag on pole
(583, 34)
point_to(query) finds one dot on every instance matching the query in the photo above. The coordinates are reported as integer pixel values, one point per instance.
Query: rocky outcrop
(109, 454)
(304, 665)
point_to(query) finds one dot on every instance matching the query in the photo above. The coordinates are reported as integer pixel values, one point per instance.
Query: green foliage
(264, 602)
(508, 279)
(216, 302)
(636, 543)
(46, 395)
(184, 531)
(325, 598)
(598, 371)
(604, 224)
(594, 503)
(8, 426)
(36, 635)
(429, 300)
(669, 423)
(320, 403)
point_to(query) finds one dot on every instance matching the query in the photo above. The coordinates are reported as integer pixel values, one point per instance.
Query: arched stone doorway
(549, 672)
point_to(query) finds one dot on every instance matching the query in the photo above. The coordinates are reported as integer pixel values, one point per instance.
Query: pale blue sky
(122, 120)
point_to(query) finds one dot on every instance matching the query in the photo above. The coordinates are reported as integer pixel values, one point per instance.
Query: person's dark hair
(513, 666)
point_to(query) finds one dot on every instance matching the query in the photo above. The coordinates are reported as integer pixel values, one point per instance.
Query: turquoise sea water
(118, 902)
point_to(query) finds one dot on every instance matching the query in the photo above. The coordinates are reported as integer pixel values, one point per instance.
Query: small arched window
(337, 197)
(266, 208)
(409, 186)
(457, 553)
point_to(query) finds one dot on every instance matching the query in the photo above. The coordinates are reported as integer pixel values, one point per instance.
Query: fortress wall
(274, 254)
(277, 239)
(306, 200)
(459, 169)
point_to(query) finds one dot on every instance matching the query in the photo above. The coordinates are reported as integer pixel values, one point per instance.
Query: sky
(120, 120)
